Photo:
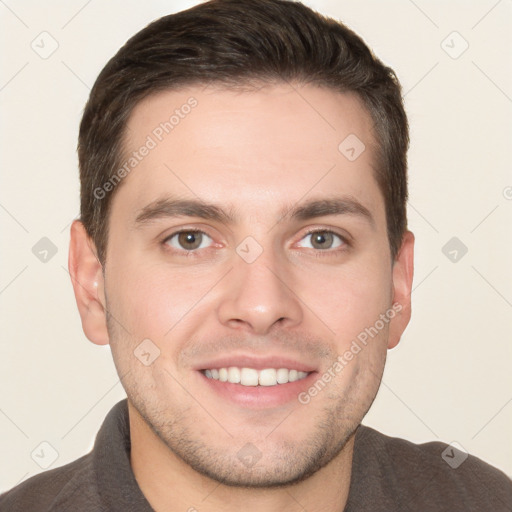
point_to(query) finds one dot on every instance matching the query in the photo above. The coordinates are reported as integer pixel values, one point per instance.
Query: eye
(322, 240)
(189, 240)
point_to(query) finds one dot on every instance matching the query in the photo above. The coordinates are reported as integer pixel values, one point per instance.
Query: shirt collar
(116, 482)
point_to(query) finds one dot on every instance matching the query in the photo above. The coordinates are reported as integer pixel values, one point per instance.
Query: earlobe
(88, 284)
(403, 271)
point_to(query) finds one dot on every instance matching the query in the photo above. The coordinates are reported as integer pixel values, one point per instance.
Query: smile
(253, 377)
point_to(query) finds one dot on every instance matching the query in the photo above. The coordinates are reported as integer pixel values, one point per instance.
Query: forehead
(249, 150)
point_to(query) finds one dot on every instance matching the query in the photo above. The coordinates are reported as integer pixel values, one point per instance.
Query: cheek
(351, 298)
(152, 299)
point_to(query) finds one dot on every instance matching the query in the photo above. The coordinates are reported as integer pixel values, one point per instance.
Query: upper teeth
(253, 377)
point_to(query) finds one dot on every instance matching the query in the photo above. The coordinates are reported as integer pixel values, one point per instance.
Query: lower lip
(260, 397)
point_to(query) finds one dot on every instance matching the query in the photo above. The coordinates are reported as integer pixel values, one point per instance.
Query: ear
(88, 284)
(403, 269)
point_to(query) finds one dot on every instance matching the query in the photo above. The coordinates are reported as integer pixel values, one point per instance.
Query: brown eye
(188, 240)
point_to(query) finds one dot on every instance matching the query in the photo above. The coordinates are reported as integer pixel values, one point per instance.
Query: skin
(259, 153)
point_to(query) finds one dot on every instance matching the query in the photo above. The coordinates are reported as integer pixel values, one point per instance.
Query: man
(243, 248)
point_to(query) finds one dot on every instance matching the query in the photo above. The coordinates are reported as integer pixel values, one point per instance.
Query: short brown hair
(236, 42)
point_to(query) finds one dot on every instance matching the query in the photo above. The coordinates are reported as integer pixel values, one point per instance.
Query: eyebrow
(173, 207)
(330, 206)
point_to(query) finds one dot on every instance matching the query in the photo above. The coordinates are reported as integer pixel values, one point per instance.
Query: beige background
(449, 379)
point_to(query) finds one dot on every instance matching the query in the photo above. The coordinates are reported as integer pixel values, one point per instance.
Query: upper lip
(256, 362)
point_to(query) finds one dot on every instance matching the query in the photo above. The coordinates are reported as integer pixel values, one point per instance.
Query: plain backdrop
(449, 379)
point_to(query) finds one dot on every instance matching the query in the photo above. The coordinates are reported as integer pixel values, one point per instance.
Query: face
(249, 285)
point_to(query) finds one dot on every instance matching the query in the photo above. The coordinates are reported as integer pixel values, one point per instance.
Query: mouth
(250, 382)
(252, 377)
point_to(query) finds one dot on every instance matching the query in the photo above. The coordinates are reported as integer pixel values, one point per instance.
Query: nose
(259, 295)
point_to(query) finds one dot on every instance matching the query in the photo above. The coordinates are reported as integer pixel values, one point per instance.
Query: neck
(159, 473)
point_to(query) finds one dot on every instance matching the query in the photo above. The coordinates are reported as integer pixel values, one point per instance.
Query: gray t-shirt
(388, 475)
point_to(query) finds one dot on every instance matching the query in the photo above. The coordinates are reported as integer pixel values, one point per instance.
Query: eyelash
(318, 253)
(183, 252)
(329, 252)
